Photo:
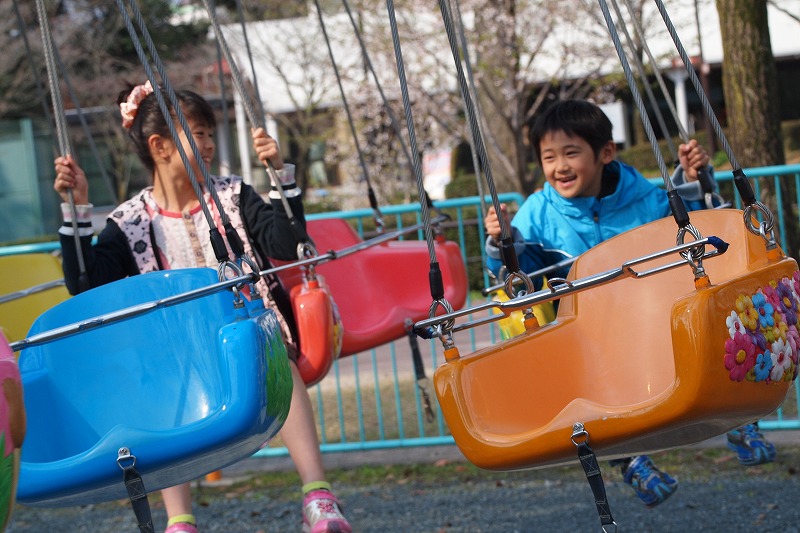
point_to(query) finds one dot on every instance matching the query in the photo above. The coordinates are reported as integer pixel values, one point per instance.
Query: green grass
(375, 425)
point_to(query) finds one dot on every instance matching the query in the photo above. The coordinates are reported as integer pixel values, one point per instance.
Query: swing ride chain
(136, 490)
(740, 180)
(588, 459)
(48, 47)
(678, 208)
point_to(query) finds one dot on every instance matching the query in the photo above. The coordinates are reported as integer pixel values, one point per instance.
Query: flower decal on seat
(764, 340)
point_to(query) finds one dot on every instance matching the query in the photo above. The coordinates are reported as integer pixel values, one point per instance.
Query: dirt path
(434, 490)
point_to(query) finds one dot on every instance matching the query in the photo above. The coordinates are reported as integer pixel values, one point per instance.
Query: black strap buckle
(136, 491)
(588, 459)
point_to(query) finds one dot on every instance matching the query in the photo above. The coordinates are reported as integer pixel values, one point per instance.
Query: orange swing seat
(644, 364)
(377, 288)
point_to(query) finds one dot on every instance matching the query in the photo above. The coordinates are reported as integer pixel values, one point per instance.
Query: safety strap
(136, 491)
(419, 369)
(580, 438)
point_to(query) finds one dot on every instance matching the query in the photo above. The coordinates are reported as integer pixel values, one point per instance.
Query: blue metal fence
(373, 400)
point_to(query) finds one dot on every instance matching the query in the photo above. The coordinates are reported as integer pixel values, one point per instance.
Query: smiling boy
(588, 198)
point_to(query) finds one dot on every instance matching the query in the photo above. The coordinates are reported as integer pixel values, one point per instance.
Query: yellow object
(514, 324)
(22, 272)
(644, 364)
(183, 519)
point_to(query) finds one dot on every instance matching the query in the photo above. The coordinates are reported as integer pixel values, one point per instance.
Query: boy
(590, 197)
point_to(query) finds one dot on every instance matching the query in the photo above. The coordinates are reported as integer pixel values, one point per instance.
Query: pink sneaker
(321, 514)
(181, 527)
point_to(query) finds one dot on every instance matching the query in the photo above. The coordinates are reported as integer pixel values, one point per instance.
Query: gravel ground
(446, 495)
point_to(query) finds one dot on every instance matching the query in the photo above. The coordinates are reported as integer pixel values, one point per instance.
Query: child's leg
(299, 432)
(321, 512)
(178, 502)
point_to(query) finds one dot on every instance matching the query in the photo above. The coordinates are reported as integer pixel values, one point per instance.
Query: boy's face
(571, 166)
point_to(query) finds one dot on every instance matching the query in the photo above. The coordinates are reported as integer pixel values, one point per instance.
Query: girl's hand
(267, 148)
(69, 176)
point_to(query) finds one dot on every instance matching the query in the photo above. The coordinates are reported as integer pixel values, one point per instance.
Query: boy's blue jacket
(549, 228)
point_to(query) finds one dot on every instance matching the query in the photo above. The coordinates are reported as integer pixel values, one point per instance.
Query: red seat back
(376, 289)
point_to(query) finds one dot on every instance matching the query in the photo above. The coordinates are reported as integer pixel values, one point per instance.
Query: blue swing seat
(188, 389)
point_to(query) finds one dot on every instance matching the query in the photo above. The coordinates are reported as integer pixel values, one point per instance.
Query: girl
(163, 227)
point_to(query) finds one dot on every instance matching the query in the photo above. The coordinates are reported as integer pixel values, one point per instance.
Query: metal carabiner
(307, 250)
(222, 273)
(446, 326)
(694, 256)
(518, 276)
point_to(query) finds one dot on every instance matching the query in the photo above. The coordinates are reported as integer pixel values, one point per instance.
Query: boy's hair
(149, 120)
(578, 118)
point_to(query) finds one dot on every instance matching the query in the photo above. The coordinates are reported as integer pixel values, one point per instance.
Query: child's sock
(316, 485)
(182, 519)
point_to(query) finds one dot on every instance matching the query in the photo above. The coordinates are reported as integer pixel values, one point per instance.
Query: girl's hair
(577, 118)
(149, 120)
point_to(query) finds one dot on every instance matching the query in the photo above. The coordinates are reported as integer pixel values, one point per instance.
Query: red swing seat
(319, 326)
(378, 288)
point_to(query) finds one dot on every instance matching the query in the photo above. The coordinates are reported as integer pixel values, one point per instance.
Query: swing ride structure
(677, 364)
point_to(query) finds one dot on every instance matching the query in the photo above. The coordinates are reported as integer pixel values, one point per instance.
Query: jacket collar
(629, 189)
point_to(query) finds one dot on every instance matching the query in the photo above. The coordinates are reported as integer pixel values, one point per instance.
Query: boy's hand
(492, 222)
(69, 176)
(267, 148)
(693, 157)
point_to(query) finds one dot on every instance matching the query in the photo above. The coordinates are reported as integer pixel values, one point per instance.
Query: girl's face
(203, 136)
(570, 165)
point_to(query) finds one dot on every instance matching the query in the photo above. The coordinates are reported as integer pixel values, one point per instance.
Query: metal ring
(579, 430)
(247, 260)
(521, 276)
(306, 250)
(696, 252)
(124, 454)
(223, 267)
(448, 324)
(553, 283)
(766, 226)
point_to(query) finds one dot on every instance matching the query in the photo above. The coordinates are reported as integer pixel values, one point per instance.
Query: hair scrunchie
(130, 106)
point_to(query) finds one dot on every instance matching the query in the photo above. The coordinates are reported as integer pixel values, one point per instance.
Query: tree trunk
(751, 98)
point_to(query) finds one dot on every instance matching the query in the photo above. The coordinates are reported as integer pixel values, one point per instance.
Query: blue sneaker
(652, 486)
(751, 446)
